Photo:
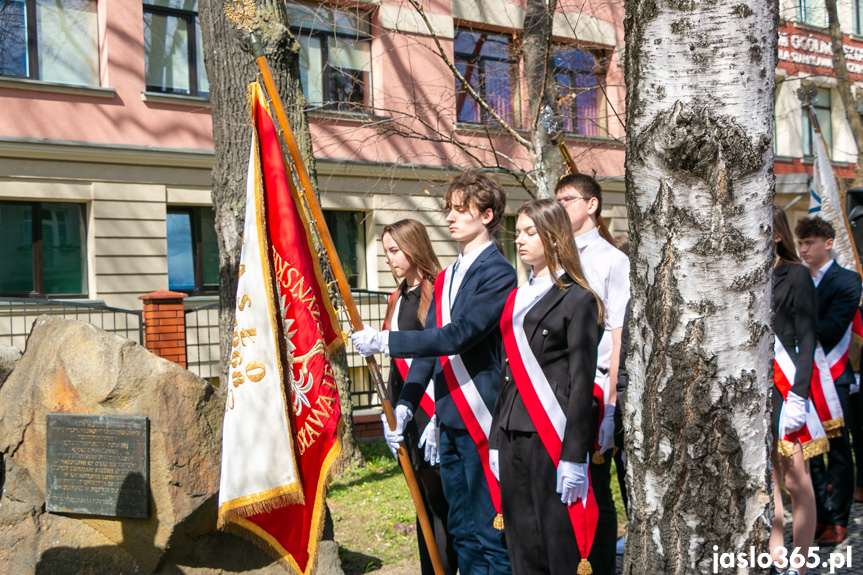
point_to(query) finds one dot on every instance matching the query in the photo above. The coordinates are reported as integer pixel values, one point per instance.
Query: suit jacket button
(506, 378)
(545, 332)
(506, 360)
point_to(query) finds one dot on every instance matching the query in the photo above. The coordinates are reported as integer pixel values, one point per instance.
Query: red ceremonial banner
(294, 531)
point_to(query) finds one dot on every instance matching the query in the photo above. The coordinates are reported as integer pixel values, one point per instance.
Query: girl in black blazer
(409, 254)
(796, 426)
(545, 417)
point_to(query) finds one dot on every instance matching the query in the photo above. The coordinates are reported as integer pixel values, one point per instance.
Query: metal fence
(18, 314)
(372, 306)
(202, 340)
(202, 332)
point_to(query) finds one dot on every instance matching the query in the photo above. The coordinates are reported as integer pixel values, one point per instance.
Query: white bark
(700, 80)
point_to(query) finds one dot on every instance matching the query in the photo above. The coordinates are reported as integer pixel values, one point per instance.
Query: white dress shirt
(460, 267)
(819, 273)
(606, 269)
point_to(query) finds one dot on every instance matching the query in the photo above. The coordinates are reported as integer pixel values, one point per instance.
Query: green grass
(373, 514)
(374, 517)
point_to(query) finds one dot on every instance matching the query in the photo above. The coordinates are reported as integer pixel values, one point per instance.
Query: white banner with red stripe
(823, 392)
(463, 390)
(811, 436)
(404, 364)
(545, 411)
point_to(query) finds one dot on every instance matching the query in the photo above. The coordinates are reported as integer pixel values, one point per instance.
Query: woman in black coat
(545, 417)
(797, 428)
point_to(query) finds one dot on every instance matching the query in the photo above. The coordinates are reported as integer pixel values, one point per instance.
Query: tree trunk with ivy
(230, 68)
(699, 179)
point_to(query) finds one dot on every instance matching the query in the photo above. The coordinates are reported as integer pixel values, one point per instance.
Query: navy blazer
(838, 298)
(473, 333)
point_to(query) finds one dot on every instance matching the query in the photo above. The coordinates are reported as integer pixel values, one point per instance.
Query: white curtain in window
(348, 54)
(311, 69)
(67, 41)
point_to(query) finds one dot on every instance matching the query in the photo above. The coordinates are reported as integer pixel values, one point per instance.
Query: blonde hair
(555, 231)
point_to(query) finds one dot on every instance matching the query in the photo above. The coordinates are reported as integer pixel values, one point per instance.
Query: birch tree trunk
(699, 180)
(230, 68)
(843, 85)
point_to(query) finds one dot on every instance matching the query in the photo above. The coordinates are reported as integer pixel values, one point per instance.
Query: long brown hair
(555, 231)
(412, 238)
(785, 247)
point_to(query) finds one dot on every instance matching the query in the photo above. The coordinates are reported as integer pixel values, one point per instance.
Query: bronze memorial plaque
(97, 464)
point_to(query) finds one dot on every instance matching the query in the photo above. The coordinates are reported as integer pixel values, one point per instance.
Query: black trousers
(834, 509)
(437, 509)
(539, 533)
(854, 422)
(603, 557)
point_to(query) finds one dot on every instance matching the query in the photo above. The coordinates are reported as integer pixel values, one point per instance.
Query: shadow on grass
(380, 464)
(354, 563)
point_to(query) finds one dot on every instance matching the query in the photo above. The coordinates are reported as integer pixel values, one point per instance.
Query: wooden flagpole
(345, 290)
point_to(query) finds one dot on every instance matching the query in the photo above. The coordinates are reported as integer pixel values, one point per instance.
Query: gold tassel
(584, 567)
(498, 522)
(598, 458)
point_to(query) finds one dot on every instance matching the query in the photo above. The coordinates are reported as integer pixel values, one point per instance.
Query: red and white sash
(811, 436)
(828, 367)
(462, 389)
(545, 411)
(404, 364)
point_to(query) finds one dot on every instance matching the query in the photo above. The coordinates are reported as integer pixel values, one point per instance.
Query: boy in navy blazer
(460, 351)
(838, 297)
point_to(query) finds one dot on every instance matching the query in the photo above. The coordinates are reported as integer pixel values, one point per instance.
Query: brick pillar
(165, 325)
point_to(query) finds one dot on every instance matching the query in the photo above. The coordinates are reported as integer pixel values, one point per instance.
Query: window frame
(808, 139)
(197, 230)
(598, 74)
(362, 270)
(33, 63)
(38, 291)
(514, 78)
(190, 16)
(328, 103)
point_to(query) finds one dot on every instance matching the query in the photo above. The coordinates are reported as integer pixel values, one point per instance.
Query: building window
(44, 249)
(193, 251)
(812, 12)
(822, 112)
(50, 40)
(858, 17)
(349, 234)
(579, 93)
(487, 64)
(335, 56)
(173, 48)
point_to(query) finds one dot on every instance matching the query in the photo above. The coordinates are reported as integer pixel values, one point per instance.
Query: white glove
(572, 481)
(855, 387)
(494, 462)
(794, 412)
(430, 439)
(370, 341)
(606, 429)
(395, 436)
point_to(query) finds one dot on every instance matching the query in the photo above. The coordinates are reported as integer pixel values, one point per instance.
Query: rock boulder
(73, 367)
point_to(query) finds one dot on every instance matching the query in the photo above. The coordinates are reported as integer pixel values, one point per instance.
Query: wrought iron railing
(18, 314)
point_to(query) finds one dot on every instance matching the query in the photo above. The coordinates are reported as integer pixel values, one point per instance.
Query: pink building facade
(105, 129)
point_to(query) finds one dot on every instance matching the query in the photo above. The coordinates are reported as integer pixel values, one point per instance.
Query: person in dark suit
(795, 313)
(460, 350)
(409, 254)
(838, 292)
(551, 330)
